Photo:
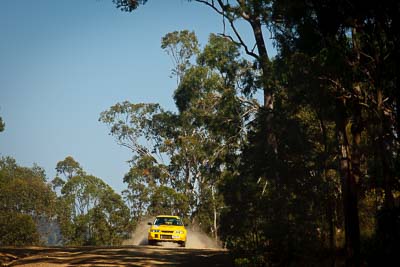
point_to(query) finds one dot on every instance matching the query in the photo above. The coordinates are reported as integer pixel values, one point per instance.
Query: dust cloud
(198, 239)
(195, 238)
(139, 235)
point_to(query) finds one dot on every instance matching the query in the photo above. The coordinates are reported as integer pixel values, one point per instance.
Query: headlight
(155, 231)
(179, 232)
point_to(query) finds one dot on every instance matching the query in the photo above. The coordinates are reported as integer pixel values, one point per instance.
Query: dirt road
(113, 256)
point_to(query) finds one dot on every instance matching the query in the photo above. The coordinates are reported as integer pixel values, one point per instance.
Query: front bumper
(166, 237)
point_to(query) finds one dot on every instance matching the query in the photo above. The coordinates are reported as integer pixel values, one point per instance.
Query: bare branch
(254, 47)
(248, 52)
(225, 13)
(230, 38)
(221, 12)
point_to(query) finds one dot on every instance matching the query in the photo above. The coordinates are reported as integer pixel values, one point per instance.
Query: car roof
(168, 216)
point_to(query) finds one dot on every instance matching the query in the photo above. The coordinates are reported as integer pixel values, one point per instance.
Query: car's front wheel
(182, 244)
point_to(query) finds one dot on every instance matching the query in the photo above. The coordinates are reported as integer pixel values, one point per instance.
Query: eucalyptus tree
(188, 151)
(256, 14)
(214, 99)
(138, 127)
(91, 213)
(26, 201)
(211, 102)
(68, 167)
(181, 46)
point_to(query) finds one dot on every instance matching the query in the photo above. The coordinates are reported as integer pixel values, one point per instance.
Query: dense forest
(291, 160)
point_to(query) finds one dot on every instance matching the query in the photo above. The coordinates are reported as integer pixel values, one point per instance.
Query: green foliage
(165, 200)
(180, 46)
(2, 124)
(211, 127)
(128, 5)
(131, 122)
(149, 191)
(222, 55)
(57, 182)
(26, 201)
(24, 189)
(17, 229)
(68, 167)
(91, 213)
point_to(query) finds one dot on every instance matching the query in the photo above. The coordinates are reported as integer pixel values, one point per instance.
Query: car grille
(167, 232)
(166, 236)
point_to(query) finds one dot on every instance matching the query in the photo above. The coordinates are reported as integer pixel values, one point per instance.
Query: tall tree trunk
(215, 213)
(265, 65)
(187, 178)
(349, 192)
(263, 61)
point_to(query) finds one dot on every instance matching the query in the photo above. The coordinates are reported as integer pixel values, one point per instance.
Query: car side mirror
(149, 223)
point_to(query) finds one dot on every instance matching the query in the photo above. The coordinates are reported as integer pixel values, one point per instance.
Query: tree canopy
(89, 212)
(26, 200)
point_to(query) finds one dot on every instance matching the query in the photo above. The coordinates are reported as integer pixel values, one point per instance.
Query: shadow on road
(113, 256)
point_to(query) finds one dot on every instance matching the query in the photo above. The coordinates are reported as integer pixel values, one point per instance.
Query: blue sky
(62, 62)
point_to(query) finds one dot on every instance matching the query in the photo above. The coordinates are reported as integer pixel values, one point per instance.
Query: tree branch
(226, 14)
(248, 52)
(221, 12)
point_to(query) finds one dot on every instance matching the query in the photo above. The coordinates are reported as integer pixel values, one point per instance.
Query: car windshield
(167, 221)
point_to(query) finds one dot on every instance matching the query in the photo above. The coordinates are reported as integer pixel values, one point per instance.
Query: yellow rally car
(166, 228)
